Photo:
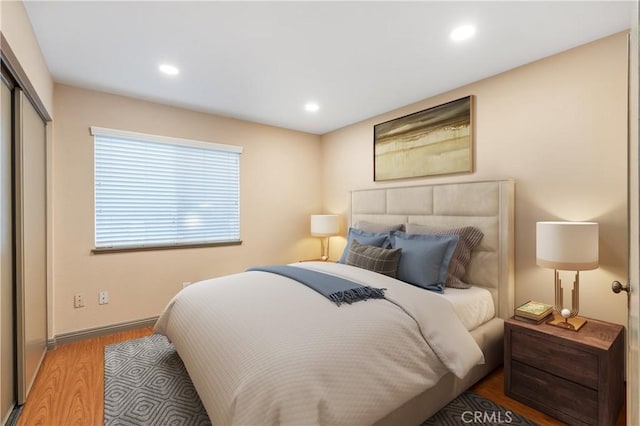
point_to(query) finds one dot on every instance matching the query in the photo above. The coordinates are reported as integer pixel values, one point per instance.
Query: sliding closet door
(31, 242)
(7, 294)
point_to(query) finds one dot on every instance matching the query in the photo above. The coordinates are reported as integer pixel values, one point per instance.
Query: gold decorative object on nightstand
(533, 312)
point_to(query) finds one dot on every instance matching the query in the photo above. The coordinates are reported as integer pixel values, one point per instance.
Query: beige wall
(16, 27)
(280, 188)
(558, 126)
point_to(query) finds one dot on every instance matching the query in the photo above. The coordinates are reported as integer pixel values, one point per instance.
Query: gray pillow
(378, 227)
(470, 237)
(376, 259)
(378, 239)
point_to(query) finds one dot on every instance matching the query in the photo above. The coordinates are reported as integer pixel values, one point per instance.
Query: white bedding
(474, 305)
(263, 349)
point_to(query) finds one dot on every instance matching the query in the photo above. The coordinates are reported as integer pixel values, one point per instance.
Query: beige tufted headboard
(487, 205)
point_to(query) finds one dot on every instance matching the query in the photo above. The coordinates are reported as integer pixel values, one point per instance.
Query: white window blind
(154, 191)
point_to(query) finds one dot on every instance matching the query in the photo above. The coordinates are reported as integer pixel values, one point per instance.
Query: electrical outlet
(103, 297)
(78, 300)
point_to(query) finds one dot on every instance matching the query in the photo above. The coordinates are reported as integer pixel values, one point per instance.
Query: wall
(558, 126)
(16, 28)
(280, 188)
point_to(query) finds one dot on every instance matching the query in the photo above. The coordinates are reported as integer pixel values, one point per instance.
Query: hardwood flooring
(69, 389)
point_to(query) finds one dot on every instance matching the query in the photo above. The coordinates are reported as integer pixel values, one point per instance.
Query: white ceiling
(262, 61)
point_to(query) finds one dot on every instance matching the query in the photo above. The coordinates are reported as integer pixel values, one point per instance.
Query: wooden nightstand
(577, 377)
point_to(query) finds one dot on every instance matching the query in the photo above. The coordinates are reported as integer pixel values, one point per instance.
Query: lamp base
(573, 324)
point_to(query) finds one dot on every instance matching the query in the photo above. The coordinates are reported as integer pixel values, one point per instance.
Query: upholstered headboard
(487, 205)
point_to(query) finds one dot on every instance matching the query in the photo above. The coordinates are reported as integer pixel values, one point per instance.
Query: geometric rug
(472, 409)
(146, 383)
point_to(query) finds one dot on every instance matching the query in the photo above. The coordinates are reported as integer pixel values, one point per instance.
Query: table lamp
(324, 226)
(567, 246)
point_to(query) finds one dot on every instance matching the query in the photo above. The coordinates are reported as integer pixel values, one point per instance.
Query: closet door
(7, 294)
(31, 242)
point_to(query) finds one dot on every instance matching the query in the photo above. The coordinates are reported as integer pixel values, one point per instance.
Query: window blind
(157, 191)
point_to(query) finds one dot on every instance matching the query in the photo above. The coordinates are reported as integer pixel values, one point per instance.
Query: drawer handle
(617, 287)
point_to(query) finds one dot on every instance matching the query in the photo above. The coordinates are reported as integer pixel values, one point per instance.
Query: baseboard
(74, 336)
(12, 420)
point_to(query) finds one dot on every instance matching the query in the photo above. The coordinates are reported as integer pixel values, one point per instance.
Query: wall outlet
(78, 300)
(103, 297)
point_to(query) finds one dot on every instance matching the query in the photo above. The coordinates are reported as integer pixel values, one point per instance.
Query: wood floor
(69, 387)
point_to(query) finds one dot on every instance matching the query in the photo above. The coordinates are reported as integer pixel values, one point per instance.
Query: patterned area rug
(472, 409)
(145, 383)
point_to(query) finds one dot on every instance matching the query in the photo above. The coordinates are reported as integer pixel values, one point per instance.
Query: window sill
(106, 250)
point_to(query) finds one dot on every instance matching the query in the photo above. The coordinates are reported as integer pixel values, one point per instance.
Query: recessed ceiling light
(312, 107)
(169, 69)
(462, 32)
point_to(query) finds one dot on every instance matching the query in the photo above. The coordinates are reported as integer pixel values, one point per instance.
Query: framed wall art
(435, 141)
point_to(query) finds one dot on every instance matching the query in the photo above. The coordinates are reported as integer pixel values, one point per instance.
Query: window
(154, 191)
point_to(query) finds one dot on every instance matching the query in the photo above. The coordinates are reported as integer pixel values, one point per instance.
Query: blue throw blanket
(336, 289)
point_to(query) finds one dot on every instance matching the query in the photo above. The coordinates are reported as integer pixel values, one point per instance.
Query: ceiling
(263, 61)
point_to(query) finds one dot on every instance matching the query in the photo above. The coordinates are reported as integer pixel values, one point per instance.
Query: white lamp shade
(324, 225)
(567, 246)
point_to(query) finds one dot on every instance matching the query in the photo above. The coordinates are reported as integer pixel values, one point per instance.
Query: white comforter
(263, 349)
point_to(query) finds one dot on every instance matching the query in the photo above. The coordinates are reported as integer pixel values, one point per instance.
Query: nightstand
(577, 377)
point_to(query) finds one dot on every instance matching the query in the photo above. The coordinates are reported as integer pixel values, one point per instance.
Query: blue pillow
(377, 239)
(425, 258)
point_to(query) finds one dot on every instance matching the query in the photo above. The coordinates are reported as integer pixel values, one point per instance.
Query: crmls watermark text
(484, 417)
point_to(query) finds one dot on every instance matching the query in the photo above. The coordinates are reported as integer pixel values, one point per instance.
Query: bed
(261, 348)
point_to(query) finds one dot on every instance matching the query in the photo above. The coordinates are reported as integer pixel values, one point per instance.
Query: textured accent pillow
(378, 227)
(425, 258)
(376, 259)
(470, 237)
(377, 239)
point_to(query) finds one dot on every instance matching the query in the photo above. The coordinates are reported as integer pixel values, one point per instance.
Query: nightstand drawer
(572, 403)
(556, 358)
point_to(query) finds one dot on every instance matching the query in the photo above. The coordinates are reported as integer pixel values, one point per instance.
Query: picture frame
(434, 141)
